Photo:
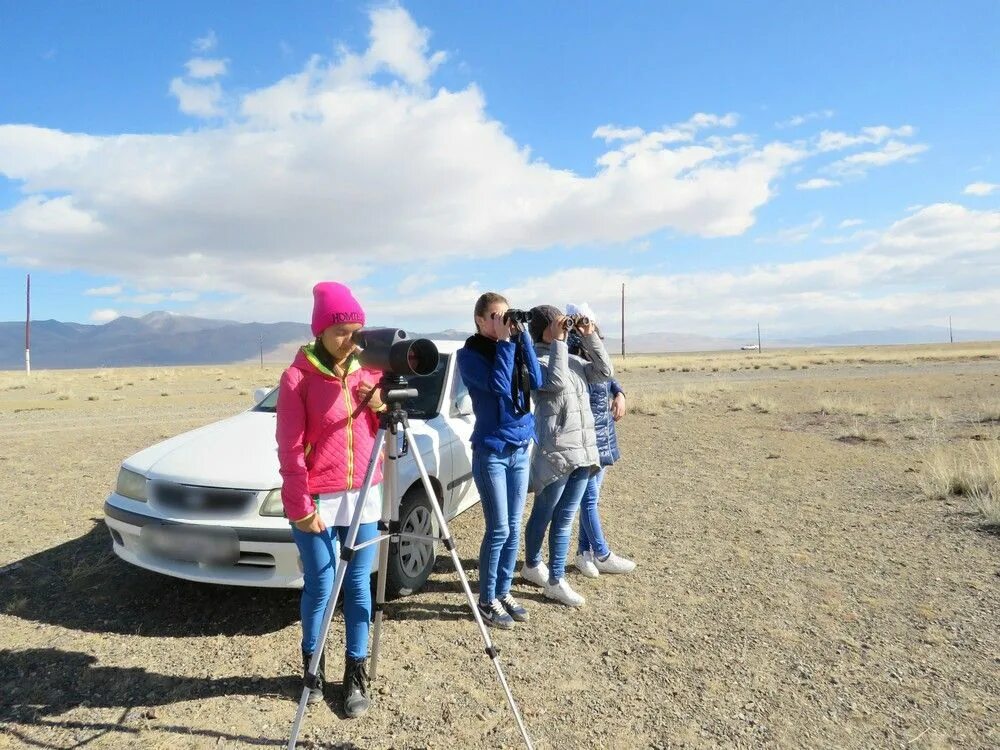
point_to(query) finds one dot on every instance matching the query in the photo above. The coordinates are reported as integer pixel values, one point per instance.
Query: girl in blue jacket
(499, 367)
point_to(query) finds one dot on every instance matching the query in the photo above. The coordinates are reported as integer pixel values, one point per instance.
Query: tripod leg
(390, 517)
(346, 552)
(449, 544)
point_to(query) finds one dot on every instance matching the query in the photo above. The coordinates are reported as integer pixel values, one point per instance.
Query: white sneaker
(562, 592)
(585, 564)
(538, 575)
(614, 564)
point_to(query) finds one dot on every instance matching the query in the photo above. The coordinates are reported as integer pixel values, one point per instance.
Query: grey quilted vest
(564, 422)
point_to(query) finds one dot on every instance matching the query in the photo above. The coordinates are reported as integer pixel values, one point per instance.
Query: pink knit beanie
(333, 304)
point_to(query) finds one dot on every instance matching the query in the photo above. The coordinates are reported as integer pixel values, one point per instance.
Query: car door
(461, 420)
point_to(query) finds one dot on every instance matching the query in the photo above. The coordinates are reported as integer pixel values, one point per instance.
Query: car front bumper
(268, 556)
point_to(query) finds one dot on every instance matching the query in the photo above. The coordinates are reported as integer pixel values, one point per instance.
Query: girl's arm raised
(554, 372)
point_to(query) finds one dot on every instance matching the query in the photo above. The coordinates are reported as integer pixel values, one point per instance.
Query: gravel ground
(793, 590)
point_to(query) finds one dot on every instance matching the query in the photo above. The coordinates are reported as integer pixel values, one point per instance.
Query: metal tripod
(394, 421)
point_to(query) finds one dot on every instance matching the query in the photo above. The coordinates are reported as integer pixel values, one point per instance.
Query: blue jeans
(557, 503)
(502, 481)
(319, 562)
(591, 535)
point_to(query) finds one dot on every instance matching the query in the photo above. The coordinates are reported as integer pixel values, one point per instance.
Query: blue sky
(815, 168)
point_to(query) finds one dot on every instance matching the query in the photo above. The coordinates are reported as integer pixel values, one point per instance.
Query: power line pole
(623, 320)
(260, 340)
(758, 337)
(27, 329)
(951, 334)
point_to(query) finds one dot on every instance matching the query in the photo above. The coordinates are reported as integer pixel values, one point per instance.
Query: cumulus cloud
(104, 291)
(816, 183)
(337, 167)
(945, 259)
(358, 159)
(206, 67)
(205, 43)
(104, 315)
(847, 223)
(889, 153)
(791, 235)
(980, 188)
(197, 99)
(796, 120)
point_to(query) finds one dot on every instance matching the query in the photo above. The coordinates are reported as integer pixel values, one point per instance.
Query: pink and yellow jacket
(325, 433)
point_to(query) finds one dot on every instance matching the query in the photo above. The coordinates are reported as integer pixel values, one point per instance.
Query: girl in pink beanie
(326, 428)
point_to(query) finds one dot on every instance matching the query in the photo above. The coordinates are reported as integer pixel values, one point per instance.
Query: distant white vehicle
(206, 505)
(750, 348)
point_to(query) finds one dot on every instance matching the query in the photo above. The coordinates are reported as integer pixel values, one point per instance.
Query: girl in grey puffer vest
(566, 453)
(594, 556)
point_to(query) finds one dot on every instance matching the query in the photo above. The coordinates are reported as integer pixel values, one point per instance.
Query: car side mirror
(463, 405)
(260, 394)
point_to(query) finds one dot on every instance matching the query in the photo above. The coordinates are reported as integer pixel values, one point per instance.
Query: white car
(206, 505)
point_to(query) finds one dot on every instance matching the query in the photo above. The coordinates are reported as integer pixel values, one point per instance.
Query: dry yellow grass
(972, 472)
(792, 359)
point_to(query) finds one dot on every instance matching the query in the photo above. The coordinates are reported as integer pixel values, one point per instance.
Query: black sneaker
(495, 615)
(515, 610)
(356, 700)
(316, 686)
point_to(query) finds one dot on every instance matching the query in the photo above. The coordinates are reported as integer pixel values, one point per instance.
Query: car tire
(410, 561)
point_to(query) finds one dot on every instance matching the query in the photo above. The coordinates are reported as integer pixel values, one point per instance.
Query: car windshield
(424, 406)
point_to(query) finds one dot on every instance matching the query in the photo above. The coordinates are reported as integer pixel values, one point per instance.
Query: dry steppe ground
(815, 570)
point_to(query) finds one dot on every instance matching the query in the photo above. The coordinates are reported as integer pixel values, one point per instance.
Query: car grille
(210, 500)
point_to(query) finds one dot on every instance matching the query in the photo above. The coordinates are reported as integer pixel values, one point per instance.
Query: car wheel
(411, 561)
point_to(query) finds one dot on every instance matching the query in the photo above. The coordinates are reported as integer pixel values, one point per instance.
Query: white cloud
(980, 188)
(415, 282)
(943, 260)
(791, 235)
(330, 169)
(796, 120)
(198, 99)
(833, 140)
(104, 291)
(888, 153)
(104, 315)
(816, 183)
(847, 223)
(156, 298)
(205, 43)
(206, 67)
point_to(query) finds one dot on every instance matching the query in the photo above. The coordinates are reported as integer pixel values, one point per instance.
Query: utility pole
(758, 337)
(951, 334)
(27, 329)
(623, 320)
(260, 340)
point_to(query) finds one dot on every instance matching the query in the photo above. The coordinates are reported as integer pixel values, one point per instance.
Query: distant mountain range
(162, 338)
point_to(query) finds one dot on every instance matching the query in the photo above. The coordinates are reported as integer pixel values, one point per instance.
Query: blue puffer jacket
(490, 382)
(601, 395)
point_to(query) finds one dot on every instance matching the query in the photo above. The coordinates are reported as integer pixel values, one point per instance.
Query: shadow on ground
(83, 586)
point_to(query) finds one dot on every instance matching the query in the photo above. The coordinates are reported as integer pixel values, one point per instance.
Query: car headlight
(272, 505)
(131, 485)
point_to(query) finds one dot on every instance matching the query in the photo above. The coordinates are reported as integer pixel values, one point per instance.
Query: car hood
(239, 452)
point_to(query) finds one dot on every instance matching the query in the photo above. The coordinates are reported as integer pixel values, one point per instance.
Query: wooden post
(951, 334)
(758, 338)
(623, 321)
(260, 339)
(27, 329)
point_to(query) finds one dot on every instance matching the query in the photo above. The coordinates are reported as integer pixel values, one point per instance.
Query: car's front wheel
(411, 561)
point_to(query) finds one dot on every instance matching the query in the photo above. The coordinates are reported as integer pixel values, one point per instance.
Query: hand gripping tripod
(394, 420)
